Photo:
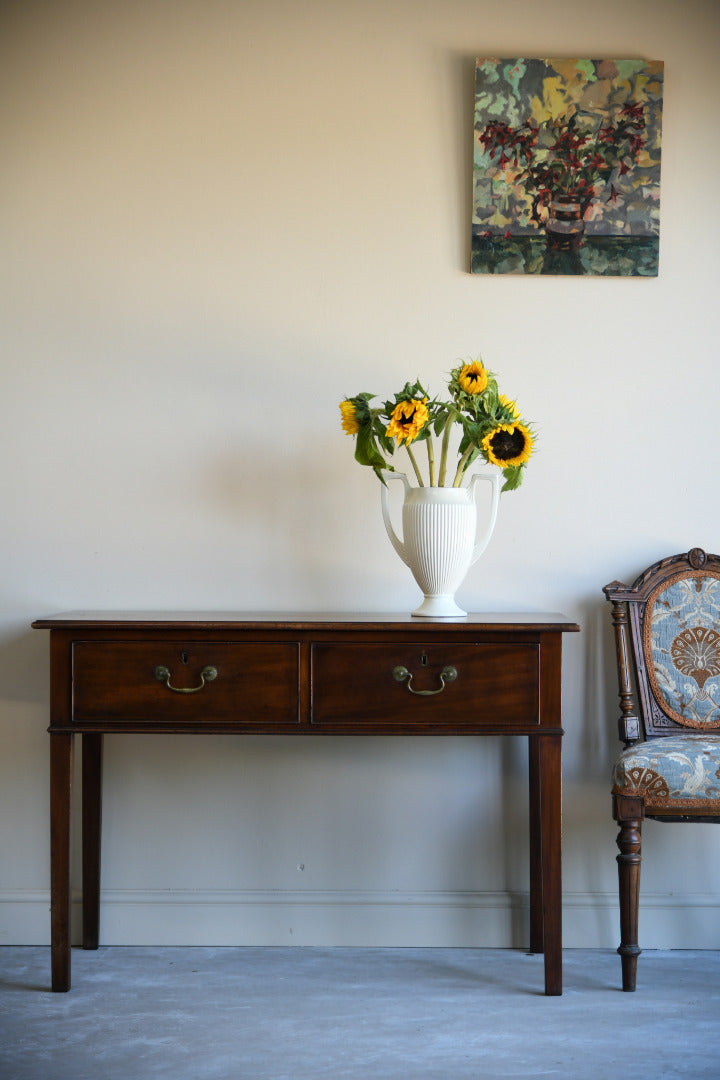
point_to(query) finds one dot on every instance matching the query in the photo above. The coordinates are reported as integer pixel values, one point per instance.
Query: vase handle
(394, 539)
(494, 479)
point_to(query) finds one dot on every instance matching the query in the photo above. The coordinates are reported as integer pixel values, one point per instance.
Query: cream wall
(217, 220)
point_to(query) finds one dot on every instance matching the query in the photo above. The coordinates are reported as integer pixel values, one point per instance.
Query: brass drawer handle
(448, 674)
(162, 674)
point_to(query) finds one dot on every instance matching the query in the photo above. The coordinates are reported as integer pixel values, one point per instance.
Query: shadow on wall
(296, 525)
(24, 665)
(598, 744)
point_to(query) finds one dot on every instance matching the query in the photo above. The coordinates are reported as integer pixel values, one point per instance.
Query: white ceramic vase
(439, 538)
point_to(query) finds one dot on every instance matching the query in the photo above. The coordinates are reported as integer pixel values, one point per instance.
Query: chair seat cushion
(679, 771)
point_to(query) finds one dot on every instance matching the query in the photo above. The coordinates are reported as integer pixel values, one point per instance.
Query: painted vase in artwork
(564, 227)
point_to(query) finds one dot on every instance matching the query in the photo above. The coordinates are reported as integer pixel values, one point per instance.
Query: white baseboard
(360, 918)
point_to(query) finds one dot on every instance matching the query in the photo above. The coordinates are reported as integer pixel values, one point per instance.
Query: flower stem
(444, 450)
(414, 464)
(461, 466)
(431, 460)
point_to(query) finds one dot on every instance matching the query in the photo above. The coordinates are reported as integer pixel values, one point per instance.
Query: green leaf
(362, 407)
(473, 456)
(513, 478)
(491, 398)
(440, 419)
(366, 451)
(387, 443)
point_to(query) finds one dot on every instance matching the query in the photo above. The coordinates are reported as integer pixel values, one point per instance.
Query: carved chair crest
(667, 634)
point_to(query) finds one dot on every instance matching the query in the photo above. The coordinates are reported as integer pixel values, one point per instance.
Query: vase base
(439, 607)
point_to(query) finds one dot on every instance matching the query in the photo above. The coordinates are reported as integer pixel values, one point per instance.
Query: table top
(535, 621)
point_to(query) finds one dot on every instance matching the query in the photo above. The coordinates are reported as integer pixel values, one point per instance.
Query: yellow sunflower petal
(510, 405)
(349, 418)
(473, 378)
(508, 444)
(407, 420)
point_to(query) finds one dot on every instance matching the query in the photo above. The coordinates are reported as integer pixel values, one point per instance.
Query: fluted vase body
(439, 539)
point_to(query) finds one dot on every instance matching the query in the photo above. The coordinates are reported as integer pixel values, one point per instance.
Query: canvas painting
(566, 175)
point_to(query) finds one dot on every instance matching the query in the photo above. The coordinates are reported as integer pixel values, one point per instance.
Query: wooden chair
(667, 635)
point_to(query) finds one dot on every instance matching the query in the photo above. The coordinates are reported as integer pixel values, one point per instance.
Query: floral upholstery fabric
(680, 771)
(682, 647)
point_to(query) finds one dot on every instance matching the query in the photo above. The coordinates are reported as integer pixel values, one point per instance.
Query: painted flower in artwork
(567, 150)
(488, 424)
(573, 155)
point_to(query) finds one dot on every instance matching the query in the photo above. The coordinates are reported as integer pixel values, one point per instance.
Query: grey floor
(347, 1014)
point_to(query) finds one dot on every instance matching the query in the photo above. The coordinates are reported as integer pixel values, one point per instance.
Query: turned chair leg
(629, 816)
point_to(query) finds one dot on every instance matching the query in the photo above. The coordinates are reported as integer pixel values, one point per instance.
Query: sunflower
(349, 419)
(509, 405)
(407, 420)
(508, 444)
(473, 378)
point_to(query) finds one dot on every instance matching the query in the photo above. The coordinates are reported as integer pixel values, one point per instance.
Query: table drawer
(459, 686)
(158, 682)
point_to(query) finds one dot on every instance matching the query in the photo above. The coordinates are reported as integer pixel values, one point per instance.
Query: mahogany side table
(323, 674)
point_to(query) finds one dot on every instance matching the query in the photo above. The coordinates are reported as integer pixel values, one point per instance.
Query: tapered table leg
(536, 894)
(550, 822)
(92, 747)
(61, 769)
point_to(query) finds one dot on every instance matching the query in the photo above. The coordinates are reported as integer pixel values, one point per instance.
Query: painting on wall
(566, 173)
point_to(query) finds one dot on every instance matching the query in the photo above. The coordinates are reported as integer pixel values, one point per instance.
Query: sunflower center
(508, 444)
